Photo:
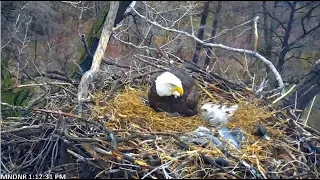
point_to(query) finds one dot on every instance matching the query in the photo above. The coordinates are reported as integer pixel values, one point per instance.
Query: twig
(285, 94)
(157, 66)
(305, 122)
(110, 134)
(210, 161)
(155, 169)
(203, 89)
(226, 30)
(24, 128)
(51, 83)
(304, 174)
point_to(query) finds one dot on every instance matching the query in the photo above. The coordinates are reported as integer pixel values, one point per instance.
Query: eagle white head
(168, 84)
(217, 114)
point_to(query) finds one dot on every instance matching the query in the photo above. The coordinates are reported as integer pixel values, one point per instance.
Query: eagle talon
(174, 114)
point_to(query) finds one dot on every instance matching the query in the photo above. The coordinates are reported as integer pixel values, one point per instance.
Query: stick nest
(127, 109)
(117, 135)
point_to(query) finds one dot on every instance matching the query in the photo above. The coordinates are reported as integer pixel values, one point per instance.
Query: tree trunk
(93, 41)
(201, 31)
(87, 78)
(213, 32)
(306, 90)
(285, 44)
(122, 8)
(266, 31)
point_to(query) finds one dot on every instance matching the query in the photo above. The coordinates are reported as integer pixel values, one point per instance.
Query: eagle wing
(191, 95)
(154, 99)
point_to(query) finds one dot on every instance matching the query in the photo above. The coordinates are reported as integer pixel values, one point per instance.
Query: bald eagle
(174, 91)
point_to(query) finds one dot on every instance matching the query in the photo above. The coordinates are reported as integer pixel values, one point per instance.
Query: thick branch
(255, 54)
(98, 55)
(285, 44)
(255, 25)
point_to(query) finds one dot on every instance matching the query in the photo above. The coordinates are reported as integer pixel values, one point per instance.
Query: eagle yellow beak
(178, 89)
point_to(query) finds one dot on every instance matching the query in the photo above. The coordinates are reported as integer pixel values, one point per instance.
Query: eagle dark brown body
(185, 105)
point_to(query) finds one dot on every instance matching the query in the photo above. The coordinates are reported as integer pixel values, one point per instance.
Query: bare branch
(98, 55)
(306, 121)
(280, 23)
(285, 94)
(255, 33)
(128, 10)
(227, 30)
(80, 3)
(304, 35)
(307, 4)
(255, 54)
